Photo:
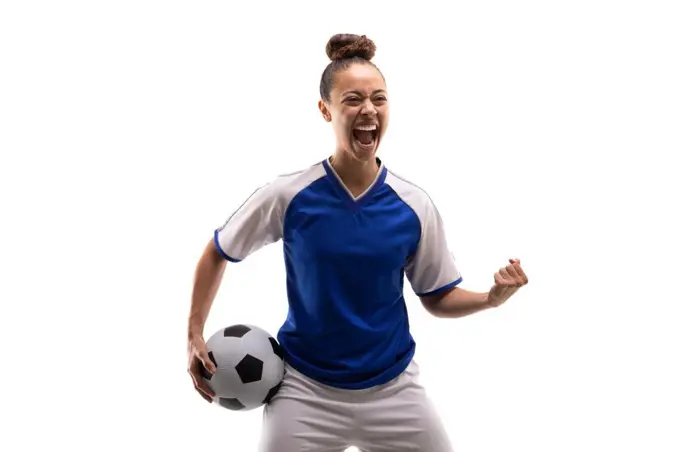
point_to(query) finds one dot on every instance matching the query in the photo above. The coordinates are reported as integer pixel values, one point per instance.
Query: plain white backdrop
(547, 131)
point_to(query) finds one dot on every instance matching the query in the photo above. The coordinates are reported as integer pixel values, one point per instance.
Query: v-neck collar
(354, 202)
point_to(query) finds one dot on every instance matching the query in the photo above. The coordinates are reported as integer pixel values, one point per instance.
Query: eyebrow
(382, 91)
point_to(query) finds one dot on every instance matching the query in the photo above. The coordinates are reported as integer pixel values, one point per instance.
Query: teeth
(367, 128)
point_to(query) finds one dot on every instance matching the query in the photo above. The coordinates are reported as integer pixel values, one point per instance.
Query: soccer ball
(249, 364)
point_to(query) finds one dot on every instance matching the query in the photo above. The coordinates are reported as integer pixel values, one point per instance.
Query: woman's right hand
(199, 362)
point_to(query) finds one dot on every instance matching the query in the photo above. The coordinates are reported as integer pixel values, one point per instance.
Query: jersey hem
(388, 375)
(441, 289)
(222, 253)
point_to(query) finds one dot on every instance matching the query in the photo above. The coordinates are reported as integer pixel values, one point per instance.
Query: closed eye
(353, 100)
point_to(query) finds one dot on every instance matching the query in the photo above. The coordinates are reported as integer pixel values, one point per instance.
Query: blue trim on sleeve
(220, 250)
(441, 289)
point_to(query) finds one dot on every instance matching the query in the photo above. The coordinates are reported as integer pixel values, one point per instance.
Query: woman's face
(358, 110)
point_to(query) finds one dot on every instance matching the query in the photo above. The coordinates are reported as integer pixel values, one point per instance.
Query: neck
(354, 173)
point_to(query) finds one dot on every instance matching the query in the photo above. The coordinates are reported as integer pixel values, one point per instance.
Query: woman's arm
(459, 302)
(455, 303)
(207, 280)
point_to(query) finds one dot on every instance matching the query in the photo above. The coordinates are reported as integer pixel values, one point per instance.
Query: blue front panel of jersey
(347, 321)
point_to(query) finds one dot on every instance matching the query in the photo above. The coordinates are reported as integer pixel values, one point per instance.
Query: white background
(546, 131)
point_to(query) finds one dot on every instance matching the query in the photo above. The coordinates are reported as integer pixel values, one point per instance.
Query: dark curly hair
(345, 50)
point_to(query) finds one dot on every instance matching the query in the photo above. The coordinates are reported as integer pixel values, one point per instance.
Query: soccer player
(352, 230)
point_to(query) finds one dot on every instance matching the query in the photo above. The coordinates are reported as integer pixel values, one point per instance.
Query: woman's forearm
(207, 280)
(458, 302)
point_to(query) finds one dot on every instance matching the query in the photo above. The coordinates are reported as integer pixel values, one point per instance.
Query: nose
(368, 109)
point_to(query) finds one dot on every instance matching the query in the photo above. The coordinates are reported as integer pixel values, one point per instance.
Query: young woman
(352, 230)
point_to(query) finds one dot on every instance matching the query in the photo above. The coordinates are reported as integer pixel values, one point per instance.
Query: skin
(460, 302)
(207, 279)
(359, 95)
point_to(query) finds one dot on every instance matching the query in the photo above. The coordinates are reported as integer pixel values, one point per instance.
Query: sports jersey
(345, 259)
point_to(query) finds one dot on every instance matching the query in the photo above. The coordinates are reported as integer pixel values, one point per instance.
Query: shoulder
(284, 187)
(300, 178)
(413, 195)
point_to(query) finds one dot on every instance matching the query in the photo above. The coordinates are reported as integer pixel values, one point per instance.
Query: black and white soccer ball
(249, 364)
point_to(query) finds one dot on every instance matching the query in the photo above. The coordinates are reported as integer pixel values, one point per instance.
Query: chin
(364, 155)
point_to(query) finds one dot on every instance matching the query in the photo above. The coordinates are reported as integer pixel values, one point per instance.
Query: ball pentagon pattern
(250, 367)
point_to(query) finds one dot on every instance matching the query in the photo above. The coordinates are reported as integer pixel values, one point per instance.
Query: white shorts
(309, 416)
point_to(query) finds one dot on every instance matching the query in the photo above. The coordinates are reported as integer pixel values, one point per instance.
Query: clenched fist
(508, 280)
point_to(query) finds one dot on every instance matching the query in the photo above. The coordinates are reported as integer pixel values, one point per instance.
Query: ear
(324, 111)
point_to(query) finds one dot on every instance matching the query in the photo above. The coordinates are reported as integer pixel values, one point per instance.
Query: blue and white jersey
(345, 258)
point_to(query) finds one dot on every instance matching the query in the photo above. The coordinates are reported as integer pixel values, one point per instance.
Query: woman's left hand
(508, 280)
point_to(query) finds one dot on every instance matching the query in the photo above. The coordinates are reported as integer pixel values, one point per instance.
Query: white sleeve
(257, 223)
(432, 268)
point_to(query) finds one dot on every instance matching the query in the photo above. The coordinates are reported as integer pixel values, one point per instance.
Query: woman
(352, 230)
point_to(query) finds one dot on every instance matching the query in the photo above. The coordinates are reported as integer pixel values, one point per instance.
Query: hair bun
(343, 46)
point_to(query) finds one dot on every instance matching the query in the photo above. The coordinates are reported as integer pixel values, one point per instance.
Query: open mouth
(365, 136)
